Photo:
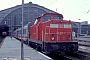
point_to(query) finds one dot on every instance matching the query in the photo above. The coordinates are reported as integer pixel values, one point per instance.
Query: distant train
(49, 34)
(4, 30)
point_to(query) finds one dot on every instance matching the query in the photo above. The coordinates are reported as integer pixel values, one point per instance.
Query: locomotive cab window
(57, 18)
(45, 18)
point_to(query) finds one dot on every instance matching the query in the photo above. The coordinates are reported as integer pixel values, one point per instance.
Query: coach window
(45, 18)
(24, 31)
(57, 18)
(18, 32)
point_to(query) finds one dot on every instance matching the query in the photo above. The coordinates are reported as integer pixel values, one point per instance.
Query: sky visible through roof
(75, 10)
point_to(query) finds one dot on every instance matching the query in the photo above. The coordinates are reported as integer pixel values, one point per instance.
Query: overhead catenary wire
(52, 3)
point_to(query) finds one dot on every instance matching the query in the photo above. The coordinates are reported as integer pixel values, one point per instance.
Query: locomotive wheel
(38, 48)
(62, 53)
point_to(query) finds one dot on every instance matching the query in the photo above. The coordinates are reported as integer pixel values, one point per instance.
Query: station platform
(11, 49)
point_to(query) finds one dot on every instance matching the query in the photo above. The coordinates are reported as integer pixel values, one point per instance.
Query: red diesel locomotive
(49, 34)
(53, 35)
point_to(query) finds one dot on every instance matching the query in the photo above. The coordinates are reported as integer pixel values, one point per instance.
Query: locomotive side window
(45, 18)
(57, 18)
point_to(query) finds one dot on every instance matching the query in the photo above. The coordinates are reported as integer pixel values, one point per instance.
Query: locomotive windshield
(45, 18)
(52, 17)
(57, 18)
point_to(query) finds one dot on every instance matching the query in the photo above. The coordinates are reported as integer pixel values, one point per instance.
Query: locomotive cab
(53, 34)
(50, 16)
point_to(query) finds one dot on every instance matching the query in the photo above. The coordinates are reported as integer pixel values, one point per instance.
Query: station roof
(5, 12)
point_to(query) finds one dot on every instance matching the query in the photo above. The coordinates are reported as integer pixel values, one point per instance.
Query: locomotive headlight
(52, 37)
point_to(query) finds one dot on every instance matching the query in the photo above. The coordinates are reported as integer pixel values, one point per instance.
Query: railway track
(79, 55)
(83, 41)
(56, 56)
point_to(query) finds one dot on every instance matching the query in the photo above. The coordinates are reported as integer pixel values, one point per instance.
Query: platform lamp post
(22, 50)
(79, 27)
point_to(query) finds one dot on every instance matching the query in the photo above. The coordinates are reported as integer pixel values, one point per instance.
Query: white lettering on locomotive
(53, 25)
(60, 25)
(67, 25)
